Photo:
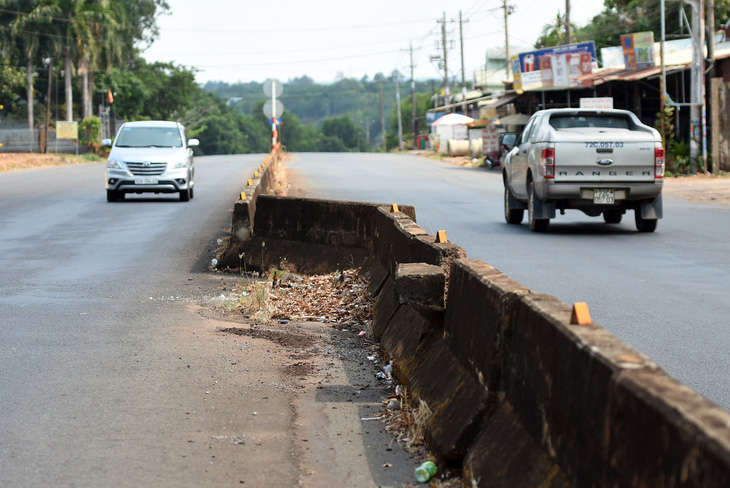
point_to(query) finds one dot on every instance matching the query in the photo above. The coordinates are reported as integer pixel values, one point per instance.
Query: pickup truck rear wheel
(536, 225)
(511, 215)
(644, 225)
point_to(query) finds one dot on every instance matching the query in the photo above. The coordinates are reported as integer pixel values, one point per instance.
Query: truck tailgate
(604, 156)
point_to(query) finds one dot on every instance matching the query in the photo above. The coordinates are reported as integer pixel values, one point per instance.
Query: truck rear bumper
(584, 192)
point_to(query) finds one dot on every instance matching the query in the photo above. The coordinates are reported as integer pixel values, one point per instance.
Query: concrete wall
(519, 395)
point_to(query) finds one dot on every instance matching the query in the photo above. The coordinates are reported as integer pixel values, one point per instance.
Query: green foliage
(627, 16)
(679, 154)
(553, 33)
(10, 80)
(90, 131)
(423, 103)
(313, 103)
(343, 129)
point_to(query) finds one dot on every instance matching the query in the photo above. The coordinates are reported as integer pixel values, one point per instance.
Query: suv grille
(146, 169)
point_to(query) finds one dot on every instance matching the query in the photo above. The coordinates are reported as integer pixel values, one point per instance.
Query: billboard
(638, 49)
(67, 130)
(555, 67)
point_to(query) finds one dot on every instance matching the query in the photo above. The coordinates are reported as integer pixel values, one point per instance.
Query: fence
(25, 140)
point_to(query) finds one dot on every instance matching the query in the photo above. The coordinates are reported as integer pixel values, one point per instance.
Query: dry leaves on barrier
(341, 297)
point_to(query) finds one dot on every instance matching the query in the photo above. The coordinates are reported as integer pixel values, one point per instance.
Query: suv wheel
(185, 195)
(511, 215)
(642, 224)
(112, 196)
(536, 225)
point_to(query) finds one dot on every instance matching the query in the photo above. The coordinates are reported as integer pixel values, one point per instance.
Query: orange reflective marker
(581, 315)
(394, 208)
(441, 236)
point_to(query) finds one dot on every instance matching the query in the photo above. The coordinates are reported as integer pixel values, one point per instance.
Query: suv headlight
(180, 164)
(114, 164)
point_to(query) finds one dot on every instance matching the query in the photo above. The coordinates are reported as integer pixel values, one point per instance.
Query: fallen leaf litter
(339, 298)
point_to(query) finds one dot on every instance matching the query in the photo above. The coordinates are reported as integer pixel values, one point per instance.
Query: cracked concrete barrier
(519, 395)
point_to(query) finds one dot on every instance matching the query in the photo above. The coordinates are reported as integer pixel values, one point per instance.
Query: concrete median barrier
(519, 395)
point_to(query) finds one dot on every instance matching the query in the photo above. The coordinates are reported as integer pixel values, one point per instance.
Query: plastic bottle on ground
(425, 472)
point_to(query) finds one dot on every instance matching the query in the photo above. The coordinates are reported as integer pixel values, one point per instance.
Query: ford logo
(605, 162)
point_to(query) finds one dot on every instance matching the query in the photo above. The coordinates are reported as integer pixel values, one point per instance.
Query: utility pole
(567, 22)
(367, 134)
(698, 139)
(413, 98)
(48, 104)
(463, 80)
(663, 79)
(446, 64)
(506, 39)
(710, 24)
(400, 121)
(382, 115)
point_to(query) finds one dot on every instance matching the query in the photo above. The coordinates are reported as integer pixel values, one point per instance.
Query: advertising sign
(638, 49)
(557, 67)
(490, 137)
(603, 103)
(67, 130)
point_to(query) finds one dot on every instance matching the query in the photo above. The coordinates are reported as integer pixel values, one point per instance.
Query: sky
(244, 41)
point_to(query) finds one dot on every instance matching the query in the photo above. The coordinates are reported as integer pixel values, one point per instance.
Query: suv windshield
(149, 137)
(579, 121)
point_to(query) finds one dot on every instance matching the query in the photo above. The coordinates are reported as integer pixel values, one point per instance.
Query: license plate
(605, 197)
(145, 181)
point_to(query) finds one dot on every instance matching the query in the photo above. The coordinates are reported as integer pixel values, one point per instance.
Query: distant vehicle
(602, 162)
(506, 143)
(150, 157)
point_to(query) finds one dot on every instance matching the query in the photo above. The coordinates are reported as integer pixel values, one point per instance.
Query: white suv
(150, 157)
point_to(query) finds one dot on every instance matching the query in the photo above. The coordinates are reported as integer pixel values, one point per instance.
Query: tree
(553, 33)
(340, 132)
(24, 33)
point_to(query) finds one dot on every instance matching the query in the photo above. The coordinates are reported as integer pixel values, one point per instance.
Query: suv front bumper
(170, 181)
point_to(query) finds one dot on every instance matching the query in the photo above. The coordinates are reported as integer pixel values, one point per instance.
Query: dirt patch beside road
(703, 188)
(19, 161)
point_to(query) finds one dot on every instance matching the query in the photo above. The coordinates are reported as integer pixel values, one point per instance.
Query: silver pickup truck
(602, 162)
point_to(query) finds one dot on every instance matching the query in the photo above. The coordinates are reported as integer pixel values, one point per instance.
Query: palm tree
(25, 32)
(74, 17)
(553, 33)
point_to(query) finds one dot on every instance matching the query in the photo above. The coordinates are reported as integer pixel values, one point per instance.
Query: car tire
(613, 216)
(112, 195)
(185, 195)
(644, 225)
(511, 215)
(192, 192)
(536, 225)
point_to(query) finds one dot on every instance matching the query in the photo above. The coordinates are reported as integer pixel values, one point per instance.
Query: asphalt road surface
(664, 293)
(113, 368)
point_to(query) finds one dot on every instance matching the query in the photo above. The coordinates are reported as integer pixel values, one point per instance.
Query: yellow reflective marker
(441, 236)
(243, 196)
(250, 182)
(256, 174)
(394, 208)
(581, 315)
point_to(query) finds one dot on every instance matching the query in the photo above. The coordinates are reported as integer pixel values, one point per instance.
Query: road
(663, 293)
(113, 368)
